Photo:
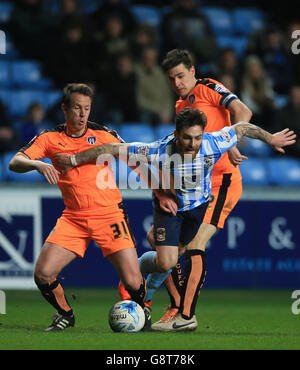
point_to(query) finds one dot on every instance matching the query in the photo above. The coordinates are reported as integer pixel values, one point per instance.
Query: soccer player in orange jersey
(218, 104)
(193, 154)
(92, 212)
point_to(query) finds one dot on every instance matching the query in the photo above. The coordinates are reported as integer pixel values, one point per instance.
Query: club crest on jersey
(91, 140)
(208, 161)
(192, 99)
(161, 234)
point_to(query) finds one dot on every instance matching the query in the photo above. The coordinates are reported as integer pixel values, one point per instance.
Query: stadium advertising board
(258, 248)
(20, 238)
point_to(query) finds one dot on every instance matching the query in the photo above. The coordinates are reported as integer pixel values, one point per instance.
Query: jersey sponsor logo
(91, 140)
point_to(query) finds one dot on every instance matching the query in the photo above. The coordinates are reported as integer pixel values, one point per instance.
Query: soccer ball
(126, 316)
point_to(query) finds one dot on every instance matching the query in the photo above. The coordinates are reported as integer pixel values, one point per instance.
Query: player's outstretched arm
(66, 161)
(115, 149)
(278, 140)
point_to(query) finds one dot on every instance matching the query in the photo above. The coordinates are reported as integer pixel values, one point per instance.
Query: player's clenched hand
(63, 162)
(283, 138)
(235, 156)
(48, 171)
(167, 202)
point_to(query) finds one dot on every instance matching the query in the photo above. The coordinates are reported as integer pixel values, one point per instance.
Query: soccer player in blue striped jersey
(185, 160)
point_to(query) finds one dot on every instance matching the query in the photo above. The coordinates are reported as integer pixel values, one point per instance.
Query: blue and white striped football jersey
(190, 179)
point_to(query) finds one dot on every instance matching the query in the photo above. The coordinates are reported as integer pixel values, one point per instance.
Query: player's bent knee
(42, 277)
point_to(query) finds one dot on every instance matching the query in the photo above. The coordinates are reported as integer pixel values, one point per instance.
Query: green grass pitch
(228, 320)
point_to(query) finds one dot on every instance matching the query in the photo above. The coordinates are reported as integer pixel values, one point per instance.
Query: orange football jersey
(82, 187)
(212, 98)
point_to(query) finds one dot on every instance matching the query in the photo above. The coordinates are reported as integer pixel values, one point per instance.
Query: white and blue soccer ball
(126, 316)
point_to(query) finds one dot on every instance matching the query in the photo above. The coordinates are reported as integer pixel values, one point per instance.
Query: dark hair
(176, 57)
(72, 88)
(189, 117)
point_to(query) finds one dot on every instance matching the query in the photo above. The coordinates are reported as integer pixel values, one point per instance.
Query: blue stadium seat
(254, 172)
(31, 176)
(28, 74)
(52, 97)
(256, 148)
(247, 20)
(5, 96)
(11, 52)
(163, 130)
(21, 99)
(142, 132)
(220, 19)
(284, 171)
(5, 80)
(237, 43)
(6, 9)
(146, 14)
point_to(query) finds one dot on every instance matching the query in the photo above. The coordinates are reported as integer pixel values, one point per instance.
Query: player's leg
(193, 273)
(126, 264)
(117, 244)
(52, 260)
(166, 239)
(154, 279)
(224, 198)
(195, 270)
(173, 284)
(166, 231)
(148, 265)
(225, 195)
(65, 242)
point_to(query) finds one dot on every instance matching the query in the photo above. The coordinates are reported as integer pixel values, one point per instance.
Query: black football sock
(194, 275)
(54, 294)
(139, 295)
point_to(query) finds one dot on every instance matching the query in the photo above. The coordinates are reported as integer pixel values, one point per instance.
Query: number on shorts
(117, 231)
